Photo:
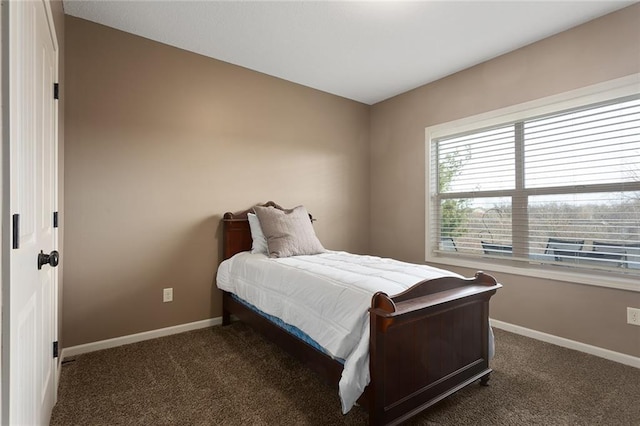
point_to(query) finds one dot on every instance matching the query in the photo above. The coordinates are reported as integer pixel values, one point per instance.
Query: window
(555, 190)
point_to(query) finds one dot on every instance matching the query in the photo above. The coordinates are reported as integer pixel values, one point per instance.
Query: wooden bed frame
(426, 343)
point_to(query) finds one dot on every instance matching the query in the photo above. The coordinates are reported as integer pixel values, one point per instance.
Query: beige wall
(601, 50)
(159, 144)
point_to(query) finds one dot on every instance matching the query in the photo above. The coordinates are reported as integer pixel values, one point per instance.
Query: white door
(32, 123)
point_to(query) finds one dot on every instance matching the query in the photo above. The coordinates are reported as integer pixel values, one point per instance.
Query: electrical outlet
(167, 294)
(633, 316)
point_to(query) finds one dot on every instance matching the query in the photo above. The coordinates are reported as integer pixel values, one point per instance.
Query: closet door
(32, 309)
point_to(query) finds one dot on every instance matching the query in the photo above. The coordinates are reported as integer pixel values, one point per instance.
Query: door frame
(4, 218)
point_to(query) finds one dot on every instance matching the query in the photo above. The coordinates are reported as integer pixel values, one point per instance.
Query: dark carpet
(232, 376)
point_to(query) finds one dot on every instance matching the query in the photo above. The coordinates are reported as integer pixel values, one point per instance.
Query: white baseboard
(138, 337)
(566, 343)
(534, 334)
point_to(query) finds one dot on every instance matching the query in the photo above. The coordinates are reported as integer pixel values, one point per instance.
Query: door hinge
(16, 231)
(55, 349)
(56, 91)
(55, 219)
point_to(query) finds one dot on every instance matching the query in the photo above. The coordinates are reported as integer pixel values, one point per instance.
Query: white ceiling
(365, 51)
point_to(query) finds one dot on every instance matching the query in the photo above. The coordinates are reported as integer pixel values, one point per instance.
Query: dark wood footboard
(426, 344)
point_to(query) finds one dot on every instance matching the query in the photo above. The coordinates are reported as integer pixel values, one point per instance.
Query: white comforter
(326, 296)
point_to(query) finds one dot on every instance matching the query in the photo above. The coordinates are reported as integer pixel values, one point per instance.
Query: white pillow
(259, 241)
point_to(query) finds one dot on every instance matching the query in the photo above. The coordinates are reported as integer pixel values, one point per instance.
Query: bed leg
(484, 380)
(226, 317)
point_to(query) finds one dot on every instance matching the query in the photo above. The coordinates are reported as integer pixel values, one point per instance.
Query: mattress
(327, 297)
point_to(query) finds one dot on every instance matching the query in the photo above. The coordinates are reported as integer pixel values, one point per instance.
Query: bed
(422, 344)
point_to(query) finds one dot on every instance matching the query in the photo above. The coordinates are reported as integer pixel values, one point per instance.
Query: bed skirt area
(293, 330)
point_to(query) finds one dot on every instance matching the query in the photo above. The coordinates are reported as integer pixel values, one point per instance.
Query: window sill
(595, 278)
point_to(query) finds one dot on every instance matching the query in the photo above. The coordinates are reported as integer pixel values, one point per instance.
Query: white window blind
(561, 189)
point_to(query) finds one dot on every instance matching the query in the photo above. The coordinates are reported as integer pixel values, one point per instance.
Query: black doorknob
(52, 259)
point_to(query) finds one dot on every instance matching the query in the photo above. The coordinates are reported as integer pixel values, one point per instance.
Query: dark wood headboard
(236, 234)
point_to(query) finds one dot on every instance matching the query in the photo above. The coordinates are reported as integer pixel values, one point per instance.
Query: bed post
(381, 304)
(226, 315)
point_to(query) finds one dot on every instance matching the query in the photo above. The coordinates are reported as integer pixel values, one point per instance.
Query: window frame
(598, 93)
